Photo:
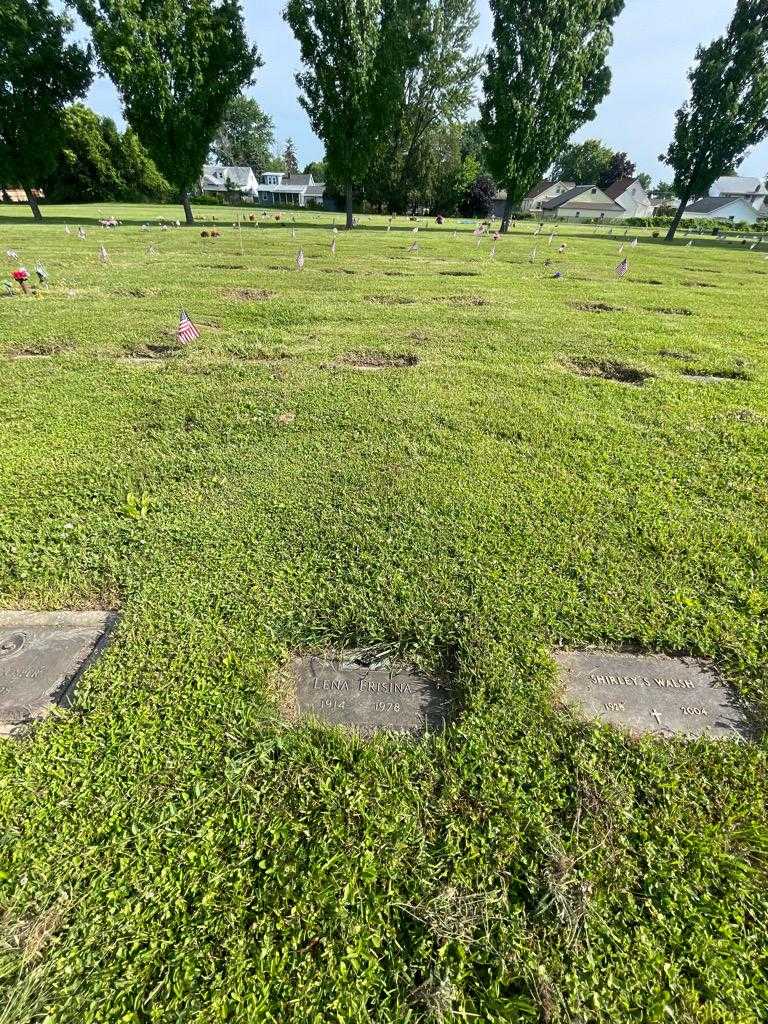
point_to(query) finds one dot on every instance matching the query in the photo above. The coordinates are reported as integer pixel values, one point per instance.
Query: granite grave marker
(652, 693)
(42, 655)
(354, 689)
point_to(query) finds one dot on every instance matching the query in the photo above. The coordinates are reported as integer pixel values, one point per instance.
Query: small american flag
(622, 268)
(293, 232)
(300, 259)
(416, 231)
(621, 249)
(689, 243)
(103, 254)
(333, 247)
(551, 238)
(532, 257)
(493, 252)
(42, 275)
(414, 246)
(152, 251)
(81, 233)
(66, 229)
(186, 330)
(633, 243)
(12, 254)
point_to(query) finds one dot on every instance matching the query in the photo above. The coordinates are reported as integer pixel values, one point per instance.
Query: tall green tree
(645, 180)
(177, 64)
(40, 72)
(545, 75)
(438, 90)
(355, 55)
(582, 162)
(97, 162)
(728, 108)
(290, 159)
(245, 137)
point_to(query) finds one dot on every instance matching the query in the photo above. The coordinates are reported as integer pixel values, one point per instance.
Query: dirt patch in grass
(155, 350)
(609, 370)
(469, 300)
(648, 280)
(672, 311)
(390, 300)
(130, 293)
(227, 266)
(699, 373)
(702, 270)
(40, 349)
(595, 307)
(397, 273)
(338, 270)
(459, 273)
(698, 284)
(377, 360)
(669, 353)
(250, 294)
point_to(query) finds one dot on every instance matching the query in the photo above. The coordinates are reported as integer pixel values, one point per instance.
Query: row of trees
(384, 83)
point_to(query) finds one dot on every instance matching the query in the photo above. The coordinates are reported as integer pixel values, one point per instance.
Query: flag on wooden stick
(186, 330)
(300, 259)
(333, 246)
(103, 255)
(622, 268)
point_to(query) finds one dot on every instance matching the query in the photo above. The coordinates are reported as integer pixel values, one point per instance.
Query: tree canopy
(727, 111)
(177, 65)
(582, 162)
(40, 72)
(437, 91)
(245, 137)
(290, 160)
(546, 72)
(98, 162)
(355, 57)
(619, 166)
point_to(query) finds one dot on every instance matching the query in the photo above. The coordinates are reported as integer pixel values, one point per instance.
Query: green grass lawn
(173, 850)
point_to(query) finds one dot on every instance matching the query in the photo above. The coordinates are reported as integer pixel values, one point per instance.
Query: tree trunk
(507, 217)
(677, 218)
(187, 208)
(350, 211)
(34, 205)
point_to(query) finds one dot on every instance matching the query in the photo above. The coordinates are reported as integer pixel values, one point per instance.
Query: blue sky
(654, 44)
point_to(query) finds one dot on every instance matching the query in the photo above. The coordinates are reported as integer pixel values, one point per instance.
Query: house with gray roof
(218, 179)
(583, 202)
(278, 188)
(725, 208)
(735, 187)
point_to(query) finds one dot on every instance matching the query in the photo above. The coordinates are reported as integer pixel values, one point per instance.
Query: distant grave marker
(42, 655)
(652, 693)
(354, 689)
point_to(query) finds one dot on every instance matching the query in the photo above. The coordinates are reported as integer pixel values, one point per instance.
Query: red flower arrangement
(21, 276)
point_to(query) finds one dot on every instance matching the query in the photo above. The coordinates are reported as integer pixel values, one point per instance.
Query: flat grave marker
(42, 655)
(652, 693)
(353, 689)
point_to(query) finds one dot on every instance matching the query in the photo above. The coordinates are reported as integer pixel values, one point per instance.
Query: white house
(631, 197)
(543, 191)
(753, 190)
(583, 202)
(217, 179)
(724, 208)
(276, 187)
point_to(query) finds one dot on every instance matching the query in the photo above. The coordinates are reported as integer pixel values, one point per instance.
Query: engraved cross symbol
(656, 715)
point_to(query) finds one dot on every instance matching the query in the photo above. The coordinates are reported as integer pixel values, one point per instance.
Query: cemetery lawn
(174, 850)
